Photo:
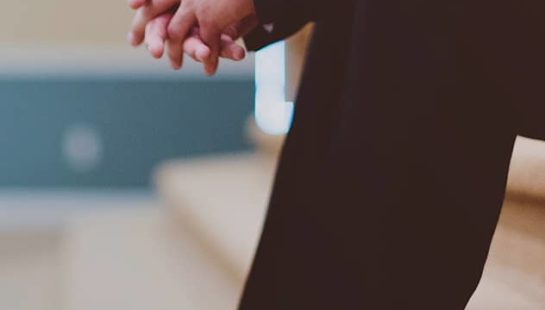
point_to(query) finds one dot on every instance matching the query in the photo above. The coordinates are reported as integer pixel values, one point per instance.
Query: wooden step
(222, 202)
(527, 173)
(137, 259)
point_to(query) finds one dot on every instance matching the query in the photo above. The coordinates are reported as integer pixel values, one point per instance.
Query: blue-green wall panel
(141, 122)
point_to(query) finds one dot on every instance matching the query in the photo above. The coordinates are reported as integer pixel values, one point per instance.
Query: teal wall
(140, 122)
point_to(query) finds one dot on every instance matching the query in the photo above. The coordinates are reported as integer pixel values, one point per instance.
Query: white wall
(43, 37)
(66, 22)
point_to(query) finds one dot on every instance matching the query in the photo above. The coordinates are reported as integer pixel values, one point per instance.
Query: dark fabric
(276, 10)
(286, 18)
(391, 181)
(259, 37)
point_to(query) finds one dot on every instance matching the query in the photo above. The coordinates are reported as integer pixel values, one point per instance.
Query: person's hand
(146, 11)
(156, 37)
(214, 18)
(151, 27)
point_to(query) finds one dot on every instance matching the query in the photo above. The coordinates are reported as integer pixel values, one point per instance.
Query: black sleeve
(270, 11)
(286, 16)
(260, 38)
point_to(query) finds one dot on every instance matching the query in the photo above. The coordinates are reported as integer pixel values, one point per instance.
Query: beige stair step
(222, 201)
(136, 258)
(527, 173)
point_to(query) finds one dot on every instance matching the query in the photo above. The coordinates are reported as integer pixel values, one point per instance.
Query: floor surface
(514, 278)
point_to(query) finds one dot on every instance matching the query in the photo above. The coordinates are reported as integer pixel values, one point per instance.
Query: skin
(153, 25)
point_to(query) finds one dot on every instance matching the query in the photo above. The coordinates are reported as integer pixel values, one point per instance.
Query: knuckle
(173, 31)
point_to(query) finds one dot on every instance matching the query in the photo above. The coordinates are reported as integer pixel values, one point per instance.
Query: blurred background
(124, 185)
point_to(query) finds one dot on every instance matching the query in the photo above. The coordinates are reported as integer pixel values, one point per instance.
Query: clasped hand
(205, 30)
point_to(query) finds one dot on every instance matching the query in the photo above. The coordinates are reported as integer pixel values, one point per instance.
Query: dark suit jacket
(392, 178)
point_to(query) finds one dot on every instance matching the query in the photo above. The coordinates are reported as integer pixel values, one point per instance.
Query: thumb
(231, 50)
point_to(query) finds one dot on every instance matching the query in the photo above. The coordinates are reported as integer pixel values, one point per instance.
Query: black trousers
(392, 179)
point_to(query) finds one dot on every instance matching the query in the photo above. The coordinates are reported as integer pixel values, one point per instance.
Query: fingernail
(239, 55)
(157, 50)
(130, 38)
(202, 53)
(175, 65)
(209, 71)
